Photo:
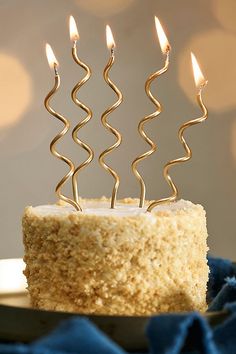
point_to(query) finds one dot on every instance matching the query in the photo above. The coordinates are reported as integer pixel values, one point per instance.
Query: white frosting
(103, 209)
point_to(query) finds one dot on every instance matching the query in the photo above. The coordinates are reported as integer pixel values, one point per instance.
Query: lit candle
(200, 82)
(74, 36)
(111, 47)
(53, 63)
(165, 47)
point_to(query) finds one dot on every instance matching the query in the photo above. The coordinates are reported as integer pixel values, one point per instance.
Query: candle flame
(197, 73)
(164, 43)
(74, 34)
(52, 61)
(109, 36)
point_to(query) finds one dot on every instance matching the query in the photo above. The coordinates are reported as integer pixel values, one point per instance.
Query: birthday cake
(122, 261)
(112, 257)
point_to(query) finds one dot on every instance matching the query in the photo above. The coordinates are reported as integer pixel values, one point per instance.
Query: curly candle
(200, 82)
(111, 47)
(74, 36)
(53, 63)
(165, 47)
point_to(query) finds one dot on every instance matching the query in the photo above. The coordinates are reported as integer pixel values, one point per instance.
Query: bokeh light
(216, 53)
(104, 8)
(225, 11)
(15, 90)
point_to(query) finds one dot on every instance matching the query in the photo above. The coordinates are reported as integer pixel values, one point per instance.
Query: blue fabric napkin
(187, 333)
(220, 269)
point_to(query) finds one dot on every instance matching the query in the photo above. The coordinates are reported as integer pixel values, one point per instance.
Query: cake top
(101, 207)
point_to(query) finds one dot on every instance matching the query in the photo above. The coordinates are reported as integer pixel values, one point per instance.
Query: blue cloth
(219, 269)
(187, 333)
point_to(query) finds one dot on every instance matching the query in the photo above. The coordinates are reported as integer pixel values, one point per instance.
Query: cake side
(130, 265)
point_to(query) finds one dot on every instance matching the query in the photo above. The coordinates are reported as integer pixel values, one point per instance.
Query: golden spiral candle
(200, 84)
(54, 64)
(166, 50)
(111, 46)
(74, 35)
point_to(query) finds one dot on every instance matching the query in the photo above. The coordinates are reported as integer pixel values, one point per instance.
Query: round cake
(122, 261)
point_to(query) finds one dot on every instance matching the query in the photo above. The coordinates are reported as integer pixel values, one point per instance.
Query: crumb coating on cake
(131, 265)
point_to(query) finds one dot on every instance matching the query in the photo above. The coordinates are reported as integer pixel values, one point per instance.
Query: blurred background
(29, 172)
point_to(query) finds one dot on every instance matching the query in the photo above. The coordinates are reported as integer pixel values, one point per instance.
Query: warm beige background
(28, 171)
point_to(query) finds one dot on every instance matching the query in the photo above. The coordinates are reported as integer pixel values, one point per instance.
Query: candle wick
(112, 51)
(168, 50)
(56, 69)
(167, 54)
(74, 43)
(203, 85)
